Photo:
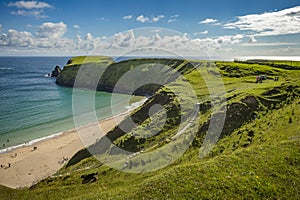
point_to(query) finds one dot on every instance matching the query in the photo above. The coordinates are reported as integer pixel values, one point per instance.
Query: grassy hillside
(257, 156)
(79, 60)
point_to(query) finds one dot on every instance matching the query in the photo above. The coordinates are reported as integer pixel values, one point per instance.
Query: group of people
(260, 78)
(4, 143)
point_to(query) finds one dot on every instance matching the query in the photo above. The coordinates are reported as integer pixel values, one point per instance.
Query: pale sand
(31, 166)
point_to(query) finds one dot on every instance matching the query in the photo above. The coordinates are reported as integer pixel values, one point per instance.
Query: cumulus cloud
(122, 40)
(231, 39)
(89, 37)
(50, 38)
(35, 13)
(16, 39)
(127, 17)
(52, 30)
(142, 19)
(88, 43)
(30, 8)
(30, 5)
(76, 26)
(281, 22)
(208, 21)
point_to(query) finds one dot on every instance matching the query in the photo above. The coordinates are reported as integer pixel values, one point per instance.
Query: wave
(6, 68)
(136, 104)
(31, 142)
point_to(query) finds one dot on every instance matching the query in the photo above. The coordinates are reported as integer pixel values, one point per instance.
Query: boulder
(89, 178)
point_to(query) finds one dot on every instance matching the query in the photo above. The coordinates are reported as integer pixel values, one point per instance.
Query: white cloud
(47, 41)
(142, 19)
(50, 39)
(154, 19)
(157, 18)
(76, 26)
(35, 13)
(127, 17)
(173, 18)
(87, 44)
(89, 37)
(273, 44)
(230, 39)
(0, 27)
(252, 39)
(30, 5)
(16, 39)
(121, 40)
(52, 30)
(271, 23)
(30, 8)
(208, 21)
(201, 33)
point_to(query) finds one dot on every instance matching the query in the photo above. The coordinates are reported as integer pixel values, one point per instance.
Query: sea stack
(56, 71)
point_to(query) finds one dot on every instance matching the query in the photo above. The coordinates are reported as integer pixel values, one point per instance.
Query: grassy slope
(79, 60)
(260, 159)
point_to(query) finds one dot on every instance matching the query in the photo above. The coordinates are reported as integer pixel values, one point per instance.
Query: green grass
(255, 159)
(88, 59)
(286, 64)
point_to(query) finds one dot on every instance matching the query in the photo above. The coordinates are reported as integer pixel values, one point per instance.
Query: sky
(214, 28)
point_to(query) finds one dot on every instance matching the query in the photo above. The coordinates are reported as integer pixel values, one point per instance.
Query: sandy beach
(24, 166)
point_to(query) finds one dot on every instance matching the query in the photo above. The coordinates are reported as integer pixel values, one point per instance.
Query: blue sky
(219, 28)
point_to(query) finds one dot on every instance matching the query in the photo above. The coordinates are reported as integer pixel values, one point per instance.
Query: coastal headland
(255, 155)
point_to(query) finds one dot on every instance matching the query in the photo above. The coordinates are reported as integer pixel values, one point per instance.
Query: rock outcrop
(56, 71)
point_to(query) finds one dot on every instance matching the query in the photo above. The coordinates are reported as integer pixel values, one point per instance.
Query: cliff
(102, 74)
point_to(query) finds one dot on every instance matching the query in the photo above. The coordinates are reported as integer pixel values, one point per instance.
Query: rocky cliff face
(104, 76)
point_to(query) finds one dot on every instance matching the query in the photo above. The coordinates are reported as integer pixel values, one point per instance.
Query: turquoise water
(32, 106)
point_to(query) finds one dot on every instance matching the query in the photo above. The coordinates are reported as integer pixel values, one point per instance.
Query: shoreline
(25, 164)
(37, 140)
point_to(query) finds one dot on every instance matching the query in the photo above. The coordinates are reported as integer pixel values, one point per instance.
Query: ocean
(32, 106)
